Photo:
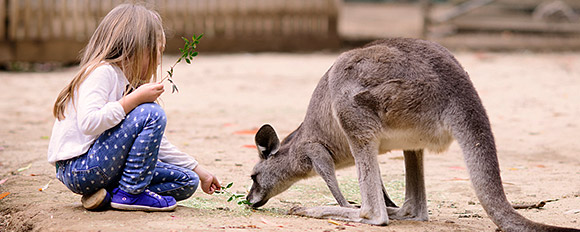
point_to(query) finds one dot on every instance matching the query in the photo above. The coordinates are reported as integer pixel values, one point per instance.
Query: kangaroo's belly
(436, 140)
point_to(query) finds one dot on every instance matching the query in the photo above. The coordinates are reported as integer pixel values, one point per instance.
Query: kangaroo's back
(405, 82)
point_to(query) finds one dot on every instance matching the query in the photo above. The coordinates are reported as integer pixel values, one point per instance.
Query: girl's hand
(209, 183)
(148, 92)
(145, 93)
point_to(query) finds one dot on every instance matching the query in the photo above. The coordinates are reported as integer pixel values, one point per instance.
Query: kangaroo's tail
(470, 126)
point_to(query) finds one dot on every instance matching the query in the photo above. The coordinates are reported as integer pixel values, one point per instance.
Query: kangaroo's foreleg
(373, 210)
(388, 200)
(324, 166)
(360, 125)
(415, 206)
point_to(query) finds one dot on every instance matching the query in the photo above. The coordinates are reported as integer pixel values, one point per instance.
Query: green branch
(187, 53)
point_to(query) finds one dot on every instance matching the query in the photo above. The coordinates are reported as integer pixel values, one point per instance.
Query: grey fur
(395, 94)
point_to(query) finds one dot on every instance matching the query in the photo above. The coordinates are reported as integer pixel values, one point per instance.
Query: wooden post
(3, 20)
(426, 13)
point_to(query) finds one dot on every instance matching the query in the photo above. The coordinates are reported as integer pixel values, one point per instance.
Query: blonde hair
(128, 36)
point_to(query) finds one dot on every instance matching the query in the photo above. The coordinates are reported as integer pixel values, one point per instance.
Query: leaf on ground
(3, 180)
(24, 168)
(334, 222)
(240, 227)
(45, 186)
(247, 132)
(459, 179)
(530, 206)
(572, 211)
(270, 223)
(3, 195)
(348, 224)
(250, 146)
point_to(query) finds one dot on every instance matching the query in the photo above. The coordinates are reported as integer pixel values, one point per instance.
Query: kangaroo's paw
(407, 213)
(315, 212)
(297, 210)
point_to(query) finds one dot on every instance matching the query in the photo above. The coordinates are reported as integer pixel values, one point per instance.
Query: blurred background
(54, 31)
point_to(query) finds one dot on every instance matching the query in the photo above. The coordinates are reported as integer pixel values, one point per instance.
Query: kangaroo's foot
(408, 212)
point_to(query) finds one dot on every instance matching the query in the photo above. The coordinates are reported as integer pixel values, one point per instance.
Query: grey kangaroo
(403, 94)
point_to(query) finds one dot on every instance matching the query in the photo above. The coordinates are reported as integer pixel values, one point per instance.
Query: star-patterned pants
(125, 156)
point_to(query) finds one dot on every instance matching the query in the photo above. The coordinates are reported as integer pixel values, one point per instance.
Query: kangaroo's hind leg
(415, 206)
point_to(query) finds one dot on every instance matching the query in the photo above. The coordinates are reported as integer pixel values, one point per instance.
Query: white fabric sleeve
(95, 114)
(168, 153)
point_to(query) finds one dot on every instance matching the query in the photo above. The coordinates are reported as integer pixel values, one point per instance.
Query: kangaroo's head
(277, 169)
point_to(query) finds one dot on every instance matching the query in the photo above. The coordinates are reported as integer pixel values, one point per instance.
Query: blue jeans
(125, 156)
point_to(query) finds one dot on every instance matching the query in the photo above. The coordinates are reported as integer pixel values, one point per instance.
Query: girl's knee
(193, 182)
(151, 110)
(189, 188)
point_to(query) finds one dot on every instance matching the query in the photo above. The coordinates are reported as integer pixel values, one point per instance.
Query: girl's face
(161, 48)
(146, 56)
(145, 65)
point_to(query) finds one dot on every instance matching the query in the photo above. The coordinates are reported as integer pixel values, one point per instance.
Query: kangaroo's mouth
(258, 204)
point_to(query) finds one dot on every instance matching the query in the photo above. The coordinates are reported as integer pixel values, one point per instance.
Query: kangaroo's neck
(320, 126)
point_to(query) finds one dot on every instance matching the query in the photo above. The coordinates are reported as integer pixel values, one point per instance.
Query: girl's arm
(168, 153)
(145, 93)
(95, 114)
(209, 183)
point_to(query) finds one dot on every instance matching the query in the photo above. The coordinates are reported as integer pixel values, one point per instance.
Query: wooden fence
(56, 30)
(505, 24)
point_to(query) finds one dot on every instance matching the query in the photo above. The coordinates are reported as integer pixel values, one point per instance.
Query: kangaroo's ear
(267, 141)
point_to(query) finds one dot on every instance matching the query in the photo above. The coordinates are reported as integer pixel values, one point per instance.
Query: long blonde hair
(128, 36)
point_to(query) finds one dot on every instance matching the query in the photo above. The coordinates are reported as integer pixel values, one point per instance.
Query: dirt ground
(532, 100)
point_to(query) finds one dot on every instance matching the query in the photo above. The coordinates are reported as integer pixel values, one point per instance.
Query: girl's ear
(267, 141)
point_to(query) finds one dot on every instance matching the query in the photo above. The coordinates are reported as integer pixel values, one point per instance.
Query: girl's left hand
(209, 183)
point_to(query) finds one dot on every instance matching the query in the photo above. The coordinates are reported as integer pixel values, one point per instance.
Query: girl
(107, 142)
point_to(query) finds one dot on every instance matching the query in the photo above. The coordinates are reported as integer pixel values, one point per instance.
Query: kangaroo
(393, 94)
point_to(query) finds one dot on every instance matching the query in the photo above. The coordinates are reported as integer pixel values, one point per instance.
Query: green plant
(187, 53)
(240, 198)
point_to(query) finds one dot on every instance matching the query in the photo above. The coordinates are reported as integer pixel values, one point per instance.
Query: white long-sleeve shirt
(95, 110)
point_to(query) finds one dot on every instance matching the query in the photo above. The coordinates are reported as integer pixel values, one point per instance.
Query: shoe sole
(142, 207)
(94, 200)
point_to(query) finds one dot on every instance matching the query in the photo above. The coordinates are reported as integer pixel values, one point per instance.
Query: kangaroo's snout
(255, 201)
(258, 204)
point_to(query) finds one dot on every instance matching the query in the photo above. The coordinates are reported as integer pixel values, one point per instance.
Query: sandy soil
(532, 101)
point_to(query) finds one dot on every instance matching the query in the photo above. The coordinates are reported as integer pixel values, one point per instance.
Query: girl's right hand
(148, 92)
(145, 93)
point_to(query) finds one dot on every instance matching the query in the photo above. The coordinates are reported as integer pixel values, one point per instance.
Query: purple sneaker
(145, 201)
